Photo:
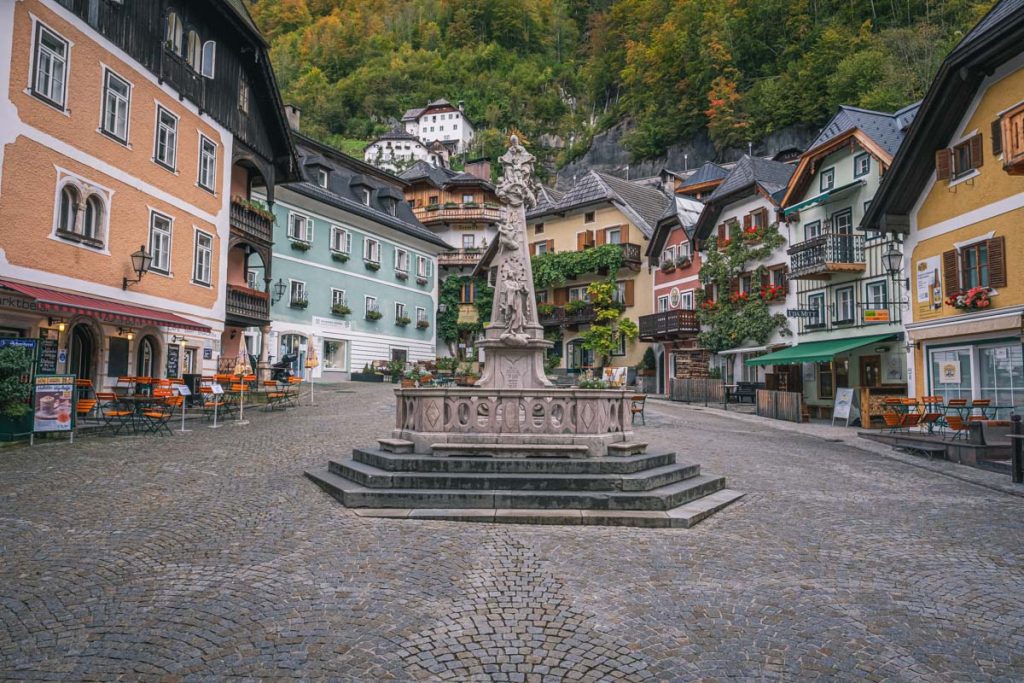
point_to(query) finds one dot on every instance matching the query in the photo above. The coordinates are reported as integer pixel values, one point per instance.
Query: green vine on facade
(609, 327)
(448, 326)
(556, 268)
(736, 318)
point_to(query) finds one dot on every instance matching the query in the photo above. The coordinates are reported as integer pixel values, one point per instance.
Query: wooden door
(870, 371)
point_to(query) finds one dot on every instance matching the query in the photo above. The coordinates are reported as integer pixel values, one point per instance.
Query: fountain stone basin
(533, 418)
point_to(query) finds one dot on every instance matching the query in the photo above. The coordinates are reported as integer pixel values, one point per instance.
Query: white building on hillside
(440, 121)
(395, 151)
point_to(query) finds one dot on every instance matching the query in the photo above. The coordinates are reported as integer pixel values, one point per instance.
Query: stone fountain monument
(513, 448)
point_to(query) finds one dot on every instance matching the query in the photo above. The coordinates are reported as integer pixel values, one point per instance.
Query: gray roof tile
(995, 16)
(749, 171)
(887, 130)
(644, 204)
(710, 171)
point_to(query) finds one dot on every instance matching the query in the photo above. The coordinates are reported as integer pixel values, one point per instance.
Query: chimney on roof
(294, 115)
(479, 168)
(462, 105)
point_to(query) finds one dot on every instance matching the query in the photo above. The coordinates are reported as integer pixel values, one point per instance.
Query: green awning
(815, 352)
(834, 193)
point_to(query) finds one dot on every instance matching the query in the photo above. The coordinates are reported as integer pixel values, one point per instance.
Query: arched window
(194, 55)
(68, 209)
(209, 58)
(174, 33)
(93, 216)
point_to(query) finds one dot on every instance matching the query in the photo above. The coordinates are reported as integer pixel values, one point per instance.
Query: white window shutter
(209, 58)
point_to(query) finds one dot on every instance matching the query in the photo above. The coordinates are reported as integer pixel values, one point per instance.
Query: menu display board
(173, 360)
(48, 349)
(54, 403)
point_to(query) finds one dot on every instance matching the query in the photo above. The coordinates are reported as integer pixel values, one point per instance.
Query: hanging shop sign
(876, 315)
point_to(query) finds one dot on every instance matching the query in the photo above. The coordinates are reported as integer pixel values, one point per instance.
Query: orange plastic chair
(161, 392)
(157, 416)
(115, 417)
(894, 416)
(84, 406)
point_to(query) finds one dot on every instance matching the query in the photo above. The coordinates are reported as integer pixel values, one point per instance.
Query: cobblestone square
(208, 555)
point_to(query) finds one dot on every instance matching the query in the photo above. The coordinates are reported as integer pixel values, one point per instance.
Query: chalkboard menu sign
(117, 363)
(172, 360)
(48, 356)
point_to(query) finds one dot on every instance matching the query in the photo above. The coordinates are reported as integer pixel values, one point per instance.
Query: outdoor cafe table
(138, 403)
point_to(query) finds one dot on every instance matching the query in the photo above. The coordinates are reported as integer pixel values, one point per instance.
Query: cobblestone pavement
(208, 555)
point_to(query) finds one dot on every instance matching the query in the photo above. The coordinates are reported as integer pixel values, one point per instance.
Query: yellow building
(956, 191)
(599, 210)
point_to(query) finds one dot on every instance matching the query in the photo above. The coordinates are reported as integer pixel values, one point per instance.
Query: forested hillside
(741, 68)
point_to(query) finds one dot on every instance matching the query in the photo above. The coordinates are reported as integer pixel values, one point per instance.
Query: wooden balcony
(631, 254)
(247, 307)
(457, 214)
(669, 325)
(459, 258)
(819, 257)
(251, 224)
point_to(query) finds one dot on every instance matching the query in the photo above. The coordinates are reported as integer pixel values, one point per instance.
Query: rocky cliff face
(607, 153)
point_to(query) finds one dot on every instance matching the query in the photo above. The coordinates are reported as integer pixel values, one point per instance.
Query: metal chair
(636, 407)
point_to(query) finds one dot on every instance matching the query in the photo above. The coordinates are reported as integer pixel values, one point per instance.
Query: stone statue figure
(514, 302)
(518, 186)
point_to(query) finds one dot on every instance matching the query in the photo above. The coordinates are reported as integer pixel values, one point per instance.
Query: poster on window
(54, 403)
(927, 278)
(949, 371)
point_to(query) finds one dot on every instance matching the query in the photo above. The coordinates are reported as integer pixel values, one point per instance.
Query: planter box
(367, 377)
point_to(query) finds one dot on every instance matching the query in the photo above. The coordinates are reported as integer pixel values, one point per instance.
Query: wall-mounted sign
(876, 315)
(927, 278)
(673, 298)
(173, 360)
(800, 312)
(207, 354)
(949, 372)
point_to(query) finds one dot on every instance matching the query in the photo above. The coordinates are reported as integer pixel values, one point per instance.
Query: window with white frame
(370, 304)
(827, 181)
(540, 248)
(207, 163)
(299, 227)
(202, 266)
(468, 241)
(844, 305)
(209, 59)
(49, 80)
(812, 230)
(422, 266)
(861, 165)
(399, 310)
(338, 297)
(745, 284)
(116, 104)
(252, 278)
(816, 304)
(578, 294)
(613, 236)
(391, 206)
(371, 250)
(686, 300)
(194, 50)
(341, 240)
(166, 150)
(685, 250)
(297, 292)
(366, 196)
(620, 350)
(321, 177)
(662, 303)
(669, 255)
(401, 260)
(467, 199)
(875, 294)
(174, 33)
(620, 293)
(160, 243)
(243, 95)
(421, 314)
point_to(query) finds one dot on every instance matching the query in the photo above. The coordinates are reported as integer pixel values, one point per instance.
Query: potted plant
(466, 375)
(683, 262)
(367, 375)
(648, 364)
(402, 320)
(545, 310)
(974, 299)
(298, 303)
(668, 266)
(300, 245)
(374, 315)
(15, 394)
(433, 207)
(451, 205)
(575, 306)
(422, 323)
(470, 205)
(339, 256)
(372, 265)
(395, 370)
(402, 274)
(340, 309)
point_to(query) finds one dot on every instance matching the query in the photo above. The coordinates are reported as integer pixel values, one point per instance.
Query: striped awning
(53, 301)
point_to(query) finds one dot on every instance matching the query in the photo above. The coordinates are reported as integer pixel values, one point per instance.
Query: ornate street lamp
(141, 261)
(279, 290)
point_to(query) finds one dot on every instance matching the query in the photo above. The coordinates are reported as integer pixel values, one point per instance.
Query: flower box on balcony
(576, 306)
(420, 280)
(423, 324)
(372, 265)
(300, 245)
(340, 309)
(402, 274)
(339, 256)
(489, 205)
(255, 207)
(451, 205)
(374, 315)
(683, 263)
(668, 267)
(298, 303)
(470, 205)
(402, 321)
(433, 207)
(545, 310)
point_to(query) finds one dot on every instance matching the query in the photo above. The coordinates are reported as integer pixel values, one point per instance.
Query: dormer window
(321, 177)
(391, 206)
(366, 196)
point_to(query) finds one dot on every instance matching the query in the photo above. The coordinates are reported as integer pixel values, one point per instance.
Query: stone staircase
(524, 483)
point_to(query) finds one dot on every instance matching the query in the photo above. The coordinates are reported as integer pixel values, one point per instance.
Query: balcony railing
(820, 256)
(667, 325)
(248, 304)
(630, 254)
(183, 77)
(459, 258)
(251, 223)
(456, 214)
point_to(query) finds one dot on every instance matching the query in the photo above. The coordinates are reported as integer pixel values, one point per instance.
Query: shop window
(334, 355)
(826, 387)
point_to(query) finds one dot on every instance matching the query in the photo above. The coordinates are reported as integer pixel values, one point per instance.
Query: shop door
(870, 371)
(146, 357)
(294, 346)
(83, 349)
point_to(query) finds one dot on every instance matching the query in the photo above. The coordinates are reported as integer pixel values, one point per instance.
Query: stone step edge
(640, 460)
(491, 449)
(627, 448)
(683, 517)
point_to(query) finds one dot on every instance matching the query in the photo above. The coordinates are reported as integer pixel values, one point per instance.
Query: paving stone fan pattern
(515, 622)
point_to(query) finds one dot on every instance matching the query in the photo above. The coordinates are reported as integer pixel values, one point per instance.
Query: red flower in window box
(974, 299)
(739, 297)
(771, 292)
(708, 305)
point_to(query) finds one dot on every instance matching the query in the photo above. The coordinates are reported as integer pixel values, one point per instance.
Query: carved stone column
(514, 340)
